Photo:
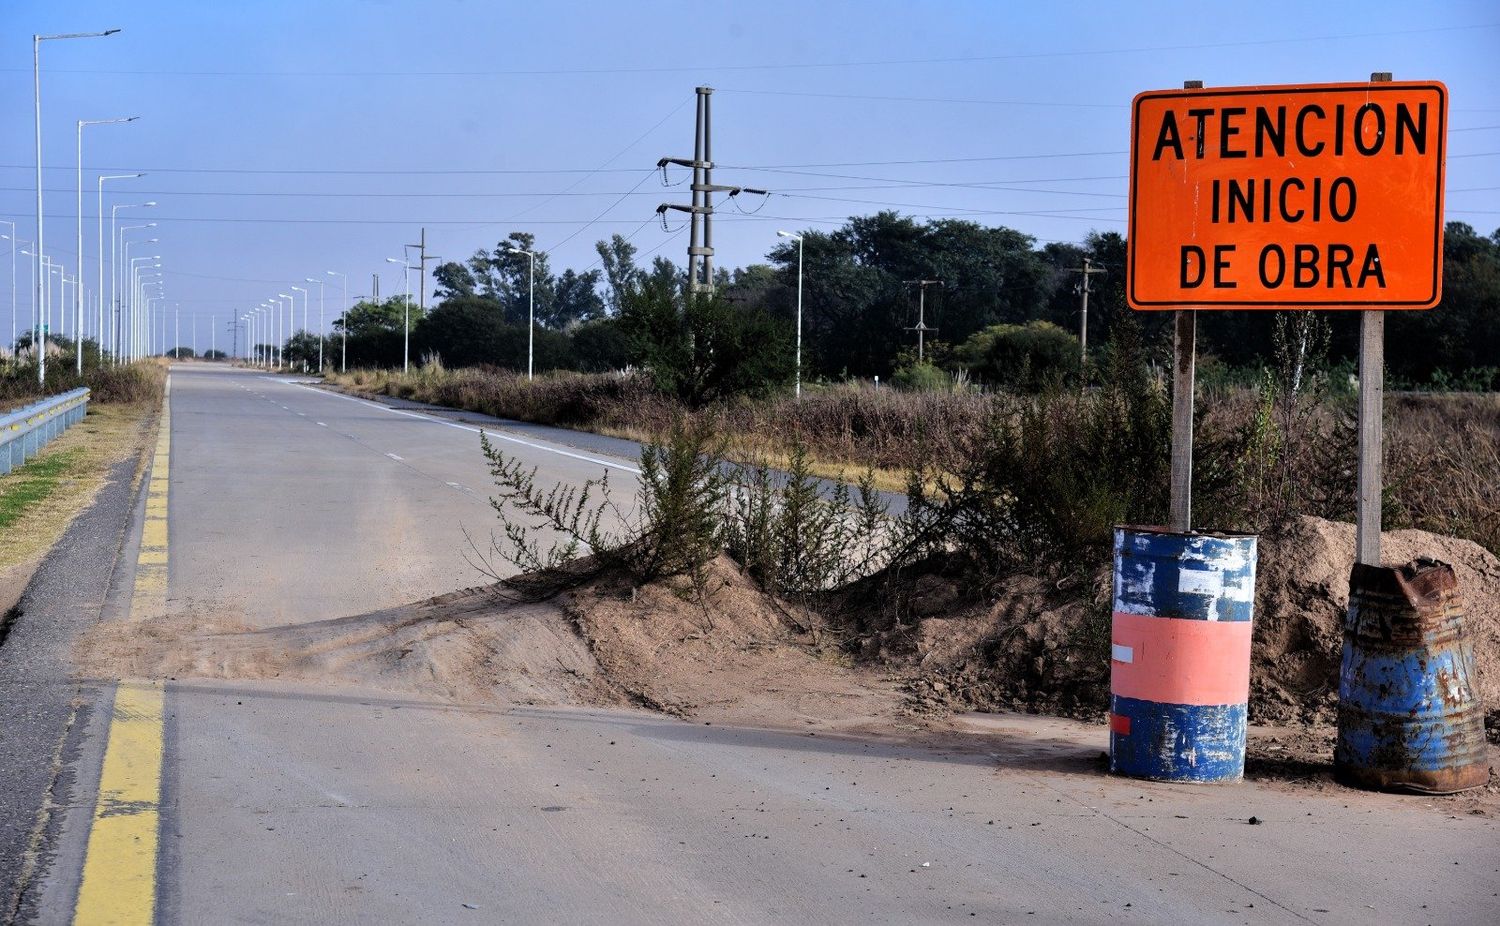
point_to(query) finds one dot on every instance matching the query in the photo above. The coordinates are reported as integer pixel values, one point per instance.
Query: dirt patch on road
(463, 646)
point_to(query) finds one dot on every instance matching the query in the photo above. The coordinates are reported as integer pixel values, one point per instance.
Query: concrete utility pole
(422, 259)
(921, 327)
(1369, 480)
(701, 212)
(1083, 313)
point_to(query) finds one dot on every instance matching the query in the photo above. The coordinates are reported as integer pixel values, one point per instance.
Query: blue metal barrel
(1408, 717)
(1180, 654)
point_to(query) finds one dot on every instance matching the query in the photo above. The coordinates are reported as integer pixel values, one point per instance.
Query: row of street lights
(128, 324)
(267, 321)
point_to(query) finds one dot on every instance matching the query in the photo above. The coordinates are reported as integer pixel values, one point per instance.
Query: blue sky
(451, 113)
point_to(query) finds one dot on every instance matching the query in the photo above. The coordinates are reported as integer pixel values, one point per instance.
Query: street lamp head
(152, 203)
(392, 260)
(787, 234)
(311, 280)
(332, 273)
(109, 31)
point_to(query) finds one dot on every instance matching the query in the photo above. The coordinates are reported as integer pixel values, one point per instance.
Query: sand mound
(737, 656)
(1302, 585)
(463, 646)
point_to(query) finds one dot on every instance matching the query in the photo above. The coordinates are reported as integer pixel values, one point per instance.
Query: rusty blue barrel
(1180, 654)
(1408, 718)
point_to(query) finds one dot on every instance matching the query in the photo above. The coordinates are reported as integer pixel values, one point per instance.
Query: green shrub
(922, 377)
(1030, 356)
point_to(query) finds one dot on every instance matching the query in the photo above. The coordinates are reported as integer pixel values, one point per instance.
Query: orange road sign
(1324, 196)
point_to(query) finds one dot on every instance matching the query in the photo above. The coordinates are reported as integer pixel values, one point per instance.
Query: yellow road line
(119, 867)
(119, 872)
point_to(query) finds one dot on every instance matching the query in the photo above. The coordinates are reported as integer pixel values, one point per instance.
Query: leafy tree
(701, 349)
(576, 300)
(301, 351)
(600, 345)
(621, 275)
(376, 332)
(859, 296)
(452, 279)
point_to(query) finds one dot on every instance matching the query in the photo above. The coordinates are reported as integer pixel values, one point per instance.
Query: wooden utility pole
(1083, 314)
(1184, 364)
(921, 327)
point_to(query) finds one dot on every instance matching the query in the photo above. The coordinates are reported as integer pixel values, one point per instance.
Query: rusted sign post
(1324, 196)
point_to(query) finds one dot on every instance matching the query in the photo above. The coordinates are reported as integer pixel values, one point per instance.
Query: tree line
(1008, 307)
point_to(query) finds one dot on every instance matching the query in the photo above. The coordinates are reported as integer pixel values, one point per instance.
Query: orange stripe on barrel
(1178, 661)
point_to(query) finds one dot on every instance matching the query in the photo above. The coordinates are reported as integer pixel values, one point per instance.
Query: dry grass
(1259, 462)
(39, 500)
(845, 429)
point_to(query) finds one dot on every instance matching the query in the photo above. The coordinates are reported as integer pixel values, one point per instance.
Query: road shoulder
(47, 714)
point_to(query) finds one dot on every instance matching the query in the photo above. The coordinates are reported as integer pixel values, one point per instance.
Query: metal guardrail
(25, 431)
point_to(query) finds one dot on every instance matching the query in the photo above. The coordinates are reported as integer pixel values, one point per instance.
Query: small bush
(922, 377)
(1029, 357)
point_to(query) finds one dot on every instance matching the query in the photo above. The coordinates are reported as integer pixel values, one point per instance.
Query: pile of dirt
(723, 648)
(1044, 648)
(1302, 584)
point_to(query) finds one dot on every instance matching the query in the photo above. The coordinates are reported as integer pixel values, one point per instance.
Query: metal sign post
(1370, 480)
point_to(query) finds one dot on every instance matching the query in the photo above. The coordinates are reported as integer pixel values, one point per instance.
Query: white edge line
(498, 435)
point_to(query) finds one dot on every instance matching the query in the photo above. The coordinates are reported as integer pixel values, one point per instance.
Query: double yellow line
(119, 868)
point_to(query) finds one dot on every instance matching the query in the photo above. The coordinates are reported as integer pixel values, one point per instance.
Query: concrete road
(294, 803)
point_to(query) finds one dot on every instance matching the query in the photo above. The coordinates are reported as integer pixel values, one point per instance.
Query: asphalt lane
(302, 803)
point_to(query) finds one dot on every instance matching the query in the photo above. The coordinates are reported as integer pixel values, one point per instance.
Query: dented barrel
(1180, 654)
(1408, 718)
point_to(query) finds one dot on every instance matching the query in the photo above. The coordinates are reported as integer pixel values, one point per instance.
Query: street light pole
(798, 239)
(36, 91)
(531, 308)
(303, 291)
(115, 233)
(15, 245)
(78, 293)
(344, 355)
(291, 322)
(99, 288)
(320, 321)
(130, 293)
(406, 313)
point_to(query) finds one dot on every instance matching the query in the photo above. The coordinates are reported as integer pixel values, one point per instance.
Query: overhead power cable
(788, 66)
